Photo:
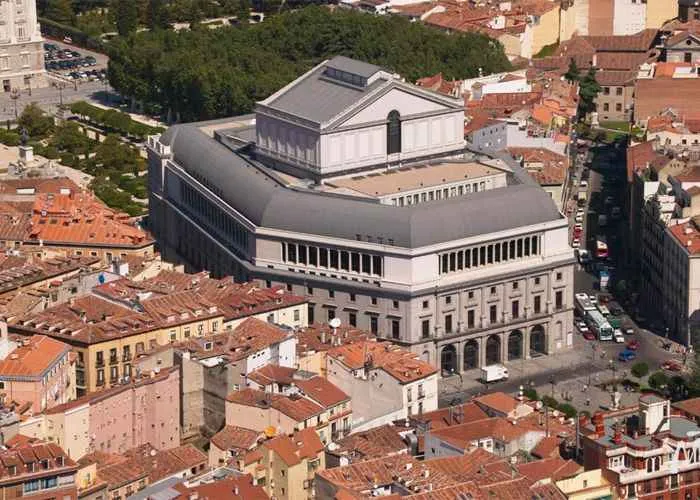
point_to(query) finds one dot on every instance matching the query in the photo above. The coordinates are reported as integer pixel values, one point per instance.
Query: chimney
(599, 424)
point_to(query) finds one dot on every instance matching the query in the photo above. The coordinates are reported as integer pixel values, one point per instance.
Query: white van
(493, 373)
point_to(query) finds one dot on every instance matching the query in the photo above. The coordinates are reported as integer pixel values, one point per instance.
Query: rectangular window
(344, 261)
(291, 252)
(331, 294)
(537, 304)
(323, 257)
(330, 313)
(374, 301)
(618, 107)
(334, 259)
(353, 297)
(470, 318)
(482, 256)
(453, 261)
(618, 91)
(376, 265)
(448, 323)
(395, 329)
(425, 328)
(467, 259)
(373, 325)
(301, 249)
(515, 309)
(352, 319)
(493, 314)
(366, 264)
(313, 256)
(355, 262)
(444, 267)
(559, 300)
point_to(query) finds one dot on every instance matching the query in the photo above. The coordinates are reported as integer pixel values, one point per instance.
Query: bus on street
(599, 325)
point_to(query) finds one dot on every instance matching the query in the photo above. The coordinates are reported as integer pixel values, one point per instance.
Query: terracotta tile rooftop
(115, 470)
(249, 337)
(304, 444)
(464, 435)
(38, 185)
(546, 167)
(499, 401)
(20, 440)
(33, 358)
(688, 236)
(400, 363)
(272, 374)
(373, 443)
(236, 439)
(320, 337)
(82, 218)
(638, 42)
(689, 406)
(162, 464)
(446, 417)
(615, 78)
(297, 408)
(23, 457)
(234, 300)
(479, 120)
(322, 391)
(548, 447)
(224, 489)
(639, 156)
(553, 468)
(655, 95)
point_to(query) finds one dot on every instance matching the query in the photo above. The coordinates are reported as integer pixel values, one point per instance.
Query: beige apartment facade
(21, 47)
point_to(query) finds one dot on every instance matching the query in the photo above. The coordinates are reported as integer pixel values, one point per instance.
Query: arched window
(393, 133)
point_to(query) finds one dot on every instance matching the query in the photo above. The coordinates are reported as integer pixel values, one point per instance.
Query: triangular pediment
(408, 100)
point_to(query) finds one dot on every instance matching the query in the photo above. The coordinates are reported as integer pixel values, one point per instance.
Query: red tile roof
(400, 363)
(304, 444)
(82, 219)
(689, 407)
(40, 185)
(34, 357)
(546, 167)
(298, 408)
(550, 468)
(445, 417)
(236, 439)
(498, 401)
(322, 391)
(688, 236)
(272, 374)
(231, 488)
(548, 447)
(373, 443)
(320, 337)
(161, 464)
(655, 95)
(23, 457)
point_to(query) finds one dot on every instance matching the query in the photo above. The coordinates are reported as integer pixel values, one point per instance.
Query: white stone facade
(21, 47)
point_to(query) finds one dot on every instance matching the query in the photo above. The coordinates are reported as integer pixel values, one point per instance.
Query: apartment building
(384, 381)
(683, 47)
(328, 411)
(145, 410)
(645, 451)
(444, 270)
(688, 10)
(38, 470)
(288, 465)
(217, 365)
(39, 371)
(21, 47)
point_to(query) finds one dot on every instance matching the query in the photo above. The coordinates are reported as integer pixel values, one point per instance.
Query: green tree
(243, 11)
(572, 74)
(126, 16)
(589, 88)
(157, 15)
(640, 369)
(69, 137)
(568, 410)
(60, 11)
(658, 380)
(37, 123)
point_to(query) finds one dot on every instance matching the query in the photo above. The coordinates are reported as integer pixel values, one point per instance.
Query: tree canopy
(203, 74)
(572, 74)
(588, 91)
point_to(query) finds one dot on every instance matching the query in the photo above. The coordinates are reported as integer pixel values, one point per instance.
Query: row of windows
(493, 253)
(329, 258)
(618, 107)
(213, 217)
(439, 194)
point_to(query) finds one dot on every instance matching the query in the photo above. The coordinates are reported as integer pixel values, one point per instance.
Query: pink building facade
(40, 371)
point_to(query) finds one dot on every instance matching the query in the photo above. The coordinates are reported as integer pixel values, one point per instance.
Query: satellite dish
(334, 323)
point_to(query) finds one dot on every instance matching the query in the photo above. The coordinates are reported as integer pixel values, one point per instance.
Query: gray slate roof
(267, 203)
(317, 98)
(354, 66)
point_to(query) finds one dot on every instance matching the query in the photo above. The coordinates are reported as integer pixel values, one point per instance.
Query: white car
(581, 212)
(576, 243)
(593, 299)
(618, 336)
(584, 184)
(578, 218)
(582, 326)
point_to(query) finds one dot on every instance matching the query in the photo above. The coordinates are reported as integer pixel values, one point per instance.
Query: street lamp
(553, 382)
(14, 95)
(613, 368)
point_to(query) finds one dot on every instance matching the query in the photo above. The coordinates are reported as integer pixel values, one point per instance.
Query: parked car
(582, 326)
(672, 365)
(618, 336)
(627, 355)
(584, 184)
(629, 331)
(578, 218)
(589, 335)
(633, 345)
(576, 243)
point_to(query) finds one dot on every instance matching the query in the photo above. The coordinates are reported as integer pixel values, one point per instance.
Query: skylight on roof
(345, 77)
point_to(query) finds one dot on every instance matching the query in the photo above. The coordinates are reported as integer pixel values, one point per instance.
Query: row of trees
(113, 120)
(202, 74)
